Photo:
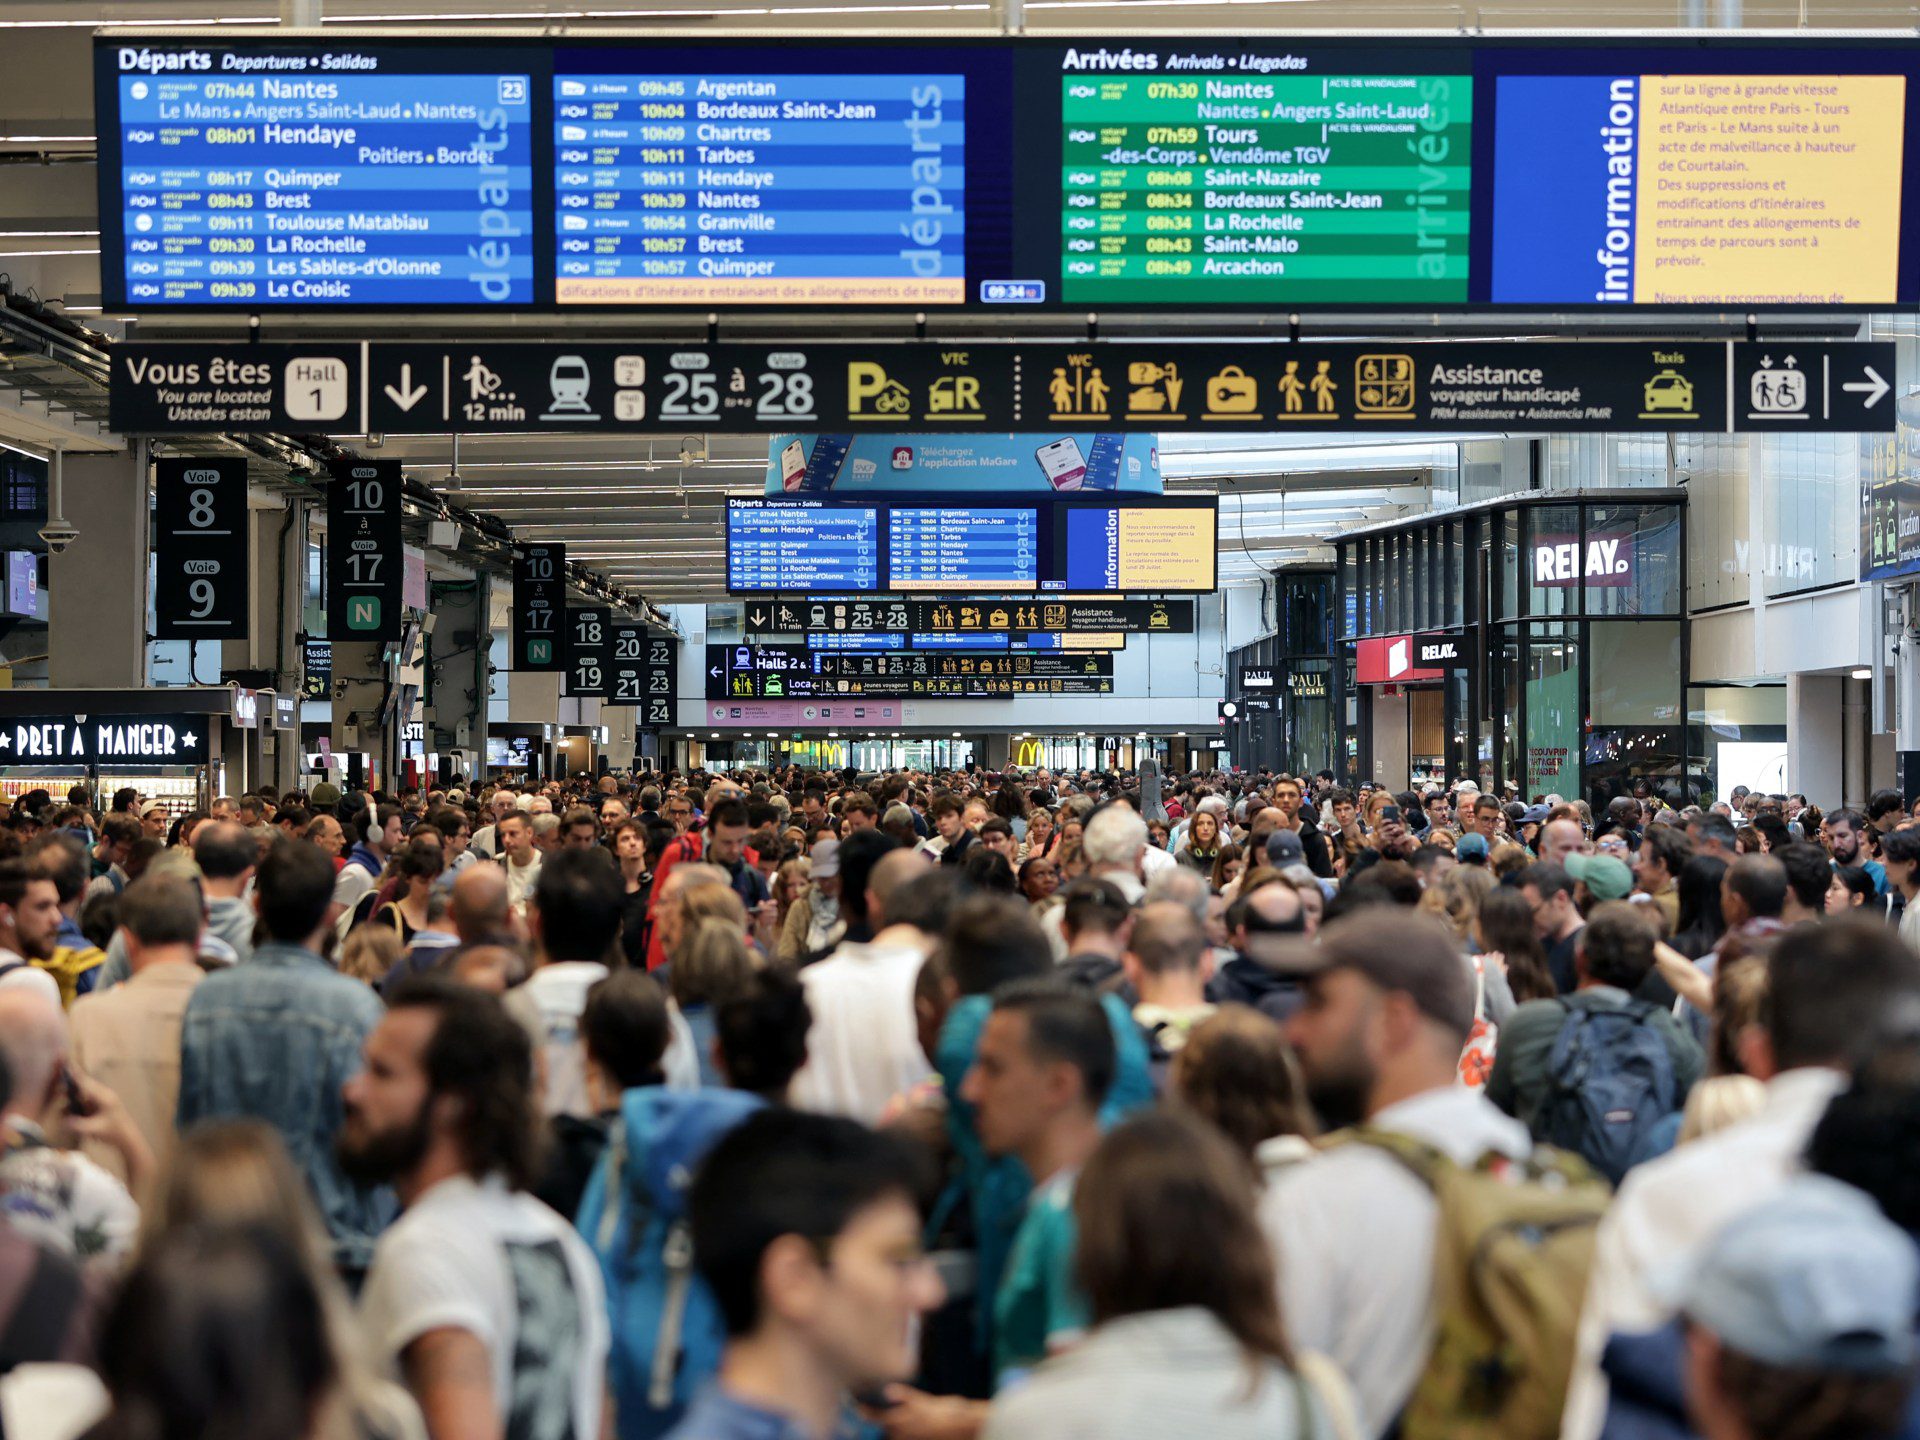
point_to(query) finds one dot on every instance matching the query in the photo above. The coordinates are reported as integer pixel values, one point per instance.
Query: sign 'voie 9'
(108, 740)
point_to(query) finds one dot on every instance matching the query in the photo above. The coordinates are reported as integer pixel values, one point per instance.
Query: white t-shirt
(475, 1256)
(549, 1006)
(863, 1047)
(521, 878)
(350, 886)
(22, 976)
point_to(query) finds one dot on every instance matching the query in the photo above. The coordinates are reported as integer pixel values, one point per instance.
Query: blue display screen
(268, 180)
(774, 546)
(959, 550)
(1093, 549)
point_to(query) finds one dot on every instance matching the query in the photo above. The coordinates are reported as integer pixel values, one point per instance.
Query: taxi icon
(1668, 390)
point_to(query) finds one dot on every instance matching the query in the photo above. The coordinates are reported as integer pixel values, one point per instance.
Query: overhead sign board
(254, 171)
(589, 651)
(793, 614)
(365, 583)
(1151, 387)
(786, 672)
(660, 682)
(1257, 680)
(202, 554)
(539, 607)
(104, 740)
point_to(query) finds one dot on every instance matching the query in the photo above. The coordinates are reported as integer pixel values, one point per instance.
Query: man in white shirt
(29, 923)
(863, 1047)
(575, 921)
(483, 1300)
(486, 840)
(521, 859)
(1114, 845)
(1388, 1007)
(365, 861)
(1831, 988)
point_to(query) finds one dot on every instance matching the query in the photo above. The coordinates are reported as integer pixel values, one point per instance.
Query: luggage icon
(1232, 392)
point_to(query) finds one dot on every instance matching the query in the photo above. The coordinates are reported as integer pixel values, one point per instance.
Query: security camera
(59, 535)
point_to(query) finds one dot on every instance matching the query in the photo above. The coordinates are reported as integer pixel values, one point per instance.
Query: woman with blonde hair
(238, 1173)
(710, 966)
(1455, 898)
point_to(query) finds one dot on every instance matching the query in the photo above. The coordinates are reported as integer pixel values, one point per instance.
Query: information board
(539, 607)
(201, 554)
(365, 581)
(1139, 543)
(589, 651)
(925, 618)
(317, 176)
(243, 169)
(788, 672)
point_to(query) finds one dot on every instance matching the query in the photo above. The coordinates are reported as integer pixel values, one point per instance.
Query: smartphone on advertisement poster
(1062, 464)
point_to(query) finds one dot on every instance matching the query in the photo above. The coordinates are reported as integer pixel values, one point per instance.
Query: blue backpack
(1610, 1084)
(667, 1331)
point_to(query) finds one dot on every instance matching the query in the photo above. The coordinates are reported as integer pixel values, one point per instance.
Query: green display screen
(1290, 189)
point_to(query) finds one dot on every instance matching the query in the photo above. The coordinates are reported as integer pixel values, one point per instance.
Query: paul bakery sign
(1557, 560)
(104, 740)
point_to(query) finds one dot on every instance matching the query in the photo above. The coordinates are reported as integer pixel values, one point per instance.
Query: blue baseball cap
(1813, 1277)
(1470, 846)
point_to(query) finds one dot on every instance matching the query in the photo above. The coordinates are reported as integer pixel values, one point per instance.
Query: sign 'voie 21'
(1156, 171)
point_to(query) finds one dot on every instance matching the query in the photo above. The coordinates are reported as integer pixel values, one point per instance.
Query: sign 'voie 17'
(104, 740)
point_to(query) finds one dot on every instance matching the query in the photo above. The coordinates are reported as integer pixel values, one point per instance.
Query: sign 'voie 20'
(1196, 172)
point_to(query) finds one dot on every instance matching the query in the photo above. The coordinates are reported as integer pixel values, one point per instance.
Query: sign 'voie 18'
(104, 740)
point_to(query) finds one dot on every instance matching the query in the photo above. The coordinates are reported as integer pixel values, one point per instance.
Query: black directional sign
(789, 672)
(1257, 705)
(200, 551)
(627, 662)
(589, 651)
(787, 616)
(366, 581)
(663, 655)
(1813, 387)
(539, 607)
(562, 387)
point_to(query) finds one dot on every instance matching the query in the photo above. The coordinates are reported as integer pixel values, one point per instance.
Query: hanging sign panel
(365, 582)
(201, 553)
(663, 659)
(253, 171)
(589, 651)
(539, 607)
(1108, 387)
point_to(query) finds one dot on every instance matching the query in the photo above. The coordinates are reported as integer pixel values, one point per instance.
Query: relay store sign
(1557, 560)
(104, 740)
(1440, 652)
(1393, 660)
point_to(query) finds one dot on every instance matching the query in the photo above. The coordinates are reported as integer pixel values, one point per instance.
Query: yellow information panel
(1776, 188)
(1166, 549)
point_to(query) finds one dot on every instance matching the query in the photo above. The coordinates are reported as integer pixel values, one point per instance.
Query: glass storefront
(1569, 610)
(1298, 734)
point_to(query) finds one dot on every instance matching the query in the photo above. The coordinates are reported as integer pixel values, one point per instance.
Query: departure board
(958, 550)
(273, 179)
(816, 189)
(1276, 188)
(971, 545)
(698, 173)
(773, 546)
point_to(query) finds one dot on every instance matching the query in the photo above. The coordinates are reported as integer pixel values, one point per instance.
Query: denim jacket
(275, 1039)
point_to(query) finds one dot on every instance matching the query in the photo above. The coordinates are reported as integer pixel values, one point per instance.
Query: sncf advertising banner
(1066, 461)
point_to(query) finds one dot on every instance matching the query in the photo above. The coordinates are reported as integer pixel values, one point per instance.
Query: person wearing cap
(1388, 1007)
(813, 923)
(1804, 1306)
(1613, 954)
(1599, 878)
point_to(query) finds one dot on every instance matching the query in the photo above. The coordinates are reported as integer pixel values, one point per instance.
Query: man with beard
(1388, 1006)
(1846, 841)
(481, 1298)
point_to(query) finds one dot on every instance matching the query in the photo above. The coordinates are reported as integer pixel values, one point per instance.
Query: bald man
(479, 908)
(60, 1197)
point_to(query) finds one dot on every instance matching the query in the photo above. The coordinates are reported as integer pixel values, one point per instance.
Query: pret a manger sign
(1557, 560)
(104, 740)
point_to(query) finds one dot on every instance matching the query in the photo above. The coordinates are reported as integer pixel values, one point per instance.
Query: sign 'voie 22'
(365, 171)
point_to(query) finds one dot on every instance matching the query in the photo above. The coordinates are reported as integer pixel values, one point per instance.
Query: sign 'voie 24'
(363, 171)
(104, 740)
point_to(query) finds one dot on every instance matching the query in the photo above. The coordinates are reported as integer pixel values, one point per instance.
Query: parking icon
(363, 612)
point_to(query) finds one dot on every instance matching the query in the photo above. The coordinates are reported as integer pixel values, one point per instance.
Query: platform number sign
(366, 581)
(627, 664)
(200, 551)
(657, 709)
(590, 651)
(540, 608)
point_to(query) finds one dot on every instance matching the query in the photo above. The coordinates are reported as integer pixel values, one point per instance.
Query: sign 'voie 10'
(1154, 172)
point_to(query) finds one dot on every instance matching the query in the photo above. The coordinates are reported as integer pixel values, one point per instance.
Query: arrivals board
(245, 169)
(1135, 543)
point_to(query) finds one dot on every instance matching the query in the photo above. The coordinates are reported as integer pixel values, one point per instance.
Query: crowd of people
(787, 1105)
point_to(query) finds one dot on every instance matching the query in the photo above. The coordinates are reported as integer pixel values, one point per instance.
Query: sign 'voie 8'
(200, 551)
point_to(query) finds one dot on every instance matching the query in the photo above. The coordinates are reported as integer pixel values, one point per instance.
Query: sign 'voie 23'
(104, 740)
